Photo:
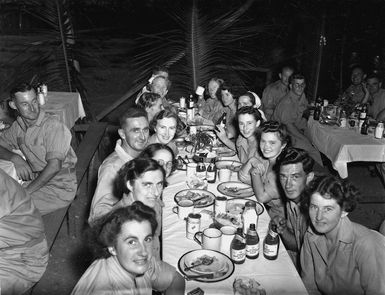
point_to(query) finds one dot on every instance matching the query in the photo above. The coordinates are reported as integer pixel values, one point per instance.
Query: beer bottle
(271, 243)
(252, 243)
(238, 248)
(211, 173)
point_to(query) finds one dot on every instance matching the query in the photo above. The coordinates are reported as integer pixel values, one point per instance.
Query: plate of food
(191, 265)
(200, 197)
(229, 164)
(223, 219)
(224, 151)
(237, 205)
(235, 189)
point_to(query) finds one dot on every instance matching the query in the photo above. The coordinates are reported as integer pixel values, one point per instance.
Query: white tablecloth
(66, 106)
(277, 277)
(344, 145)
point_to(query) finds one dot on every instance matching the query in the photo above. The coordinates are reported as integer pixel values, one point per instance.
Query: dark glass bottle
(211, 173)
(363, 112)
(238, 248)
(201, 170)
(190, 109)
(271, 243)
(365, 127)
(317, 110)
(252, 243)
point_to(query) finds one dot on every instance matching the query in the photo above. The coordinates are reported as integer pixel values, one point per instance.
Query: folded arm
(51, 169)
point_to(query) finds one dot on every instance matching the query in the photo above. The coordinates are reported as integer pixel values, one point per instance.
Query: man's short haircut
(373, 75)
(133, 112)
(23, 87)
(297, 77)
(287, 67)
(294, 156)
(358, 67)
(167, 81)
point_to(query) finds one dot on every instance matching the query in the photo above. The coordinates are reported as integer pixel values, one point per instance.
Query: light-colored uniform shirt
(354, 94)
(23, 247)
(290, 111)
(356, 264)
(245, 151)
(378, 103)
(106, 276)
(271, 96)
(47, 139)
(297, 224)
(104, 198)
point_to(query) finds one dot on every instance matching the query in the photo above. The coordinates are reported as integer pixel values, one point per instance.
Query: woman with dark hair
(122, 241)
(339, 256)
(230, 108)
(142, 180)
(246, 145)
(251, 99)
(273, 139)
(165, 124)
(152, 103)
(161, 153)
(212, 107)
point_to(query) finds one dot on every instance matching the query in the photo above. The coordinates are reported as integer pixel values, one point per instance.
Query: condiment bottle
(201, 170)
(271, 243)
(379, 132)
(211, 173)
(249, 216)
(317, 111)
(238, 248)
(363, 112)
(252, 243)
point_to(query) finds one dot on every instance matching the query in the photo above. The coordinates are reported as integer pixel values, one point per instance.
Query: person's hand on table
(23, 170)
(281, 223)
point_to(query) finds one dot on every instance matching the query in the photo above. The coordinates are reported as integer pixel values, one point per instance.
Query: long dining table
(276, 276)
(345, 145)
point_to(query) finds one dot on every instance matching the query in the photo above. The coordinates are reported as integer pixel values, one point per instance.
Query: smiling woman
(334, 247)
(122, 241)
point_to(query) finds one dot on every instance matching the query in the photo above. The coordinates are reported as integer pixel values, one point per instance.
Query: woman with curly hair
(122, 241)
(339, 256)
(165, 125)
(273, 139)
(161, 153)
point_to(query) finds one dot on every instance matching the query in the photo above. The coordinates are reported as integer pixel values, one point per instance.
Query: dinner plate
(244, 192)
(217, 265)
(204, 127)
(225, 152)
(236, 206)
(193, 194)
(228, 164)
(221, 270)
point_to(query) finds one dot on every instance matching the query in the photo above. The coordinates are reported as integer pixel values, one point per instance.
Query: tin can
(220, 204)
(193, 225)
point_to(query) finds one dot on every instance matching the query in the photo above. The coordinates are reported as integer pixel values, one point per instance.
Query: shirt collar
(38, 122)
(121, 152)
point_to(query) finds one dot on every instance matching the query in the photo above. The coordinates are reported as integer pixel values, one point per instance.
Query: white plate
(236, 206)
(245, 192)
(228, 164)
(209, 200)
(218, 264)
(223, 274)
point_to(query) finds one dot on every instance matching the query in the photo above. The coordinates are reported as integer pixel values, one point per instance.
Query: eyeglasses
(297, 85)
(168, 165)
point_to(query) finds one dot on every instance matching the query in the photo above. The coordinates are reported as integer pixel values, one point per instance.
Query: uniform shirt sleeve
(370, 259)
(57, 141)
(307, 266)
(8, 137)
(162, 274)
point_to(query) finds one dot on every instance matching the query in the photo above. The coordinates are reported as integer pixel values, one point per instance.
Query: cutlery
(205, 261)
(199, 199)
(202, 276)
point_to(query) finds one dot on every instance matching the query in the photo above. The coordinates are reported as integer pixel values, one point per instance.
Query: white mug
(184, 208)
(210, 239)
(224, 175)
(228, 233)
